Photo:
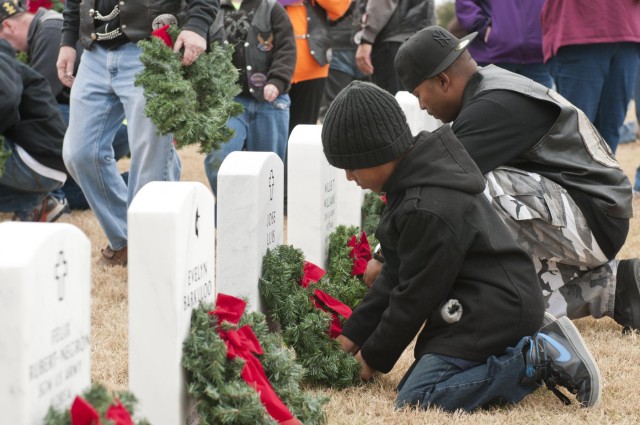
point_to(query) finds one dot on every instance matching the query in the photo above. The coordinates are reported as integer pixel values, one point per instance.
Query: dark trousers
(383, 55)
(305, 102)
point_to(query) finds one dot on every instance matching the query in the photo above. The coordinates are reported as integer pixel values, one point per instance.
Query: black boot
(627, 303)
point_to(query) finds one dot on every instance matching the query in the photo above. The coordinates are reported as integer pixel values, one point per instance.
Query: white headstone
(349, 199)
(417, 118)
(311, 193)
(45, 319)
(171, 270)
(249, 221)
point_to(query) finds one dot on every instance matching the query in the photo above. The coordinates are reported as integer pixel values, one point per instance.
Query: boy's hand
(367, 372)
(347, 345)
(371, 272)
(270, 92)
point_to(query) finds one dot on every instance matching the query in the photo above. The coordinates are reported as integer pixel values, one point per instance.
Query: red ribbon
(323, 301)
(361, 254)
(383, 198)
(163, 35)
(34, 5)
(83, 413)
(242, 342)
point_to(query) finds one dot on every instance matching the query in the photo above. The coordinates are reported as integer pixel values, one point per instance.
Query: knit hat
(427, 53)
(364, 127)
(8, 8)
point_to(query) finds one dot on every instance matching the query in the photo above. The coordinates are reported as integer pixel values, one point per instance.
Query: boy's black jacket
(442, 240)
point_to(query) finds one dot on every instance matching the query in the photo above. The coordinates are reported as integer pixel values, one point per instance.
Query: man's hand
(371, 272)
(194, 45)
(65, 64)
(363, 58)
(270, 92)
(347, 345)
(366, 373)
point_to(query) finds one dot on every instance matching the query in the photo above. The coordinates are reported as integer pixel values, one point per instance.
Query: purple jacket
(515, 36)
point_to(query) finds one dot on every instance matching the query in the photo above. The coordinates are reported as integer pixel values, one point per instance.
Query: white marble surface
(417, 119)
(45, 319)
(250, 221)
(311, 197)
(349, 199)
(171, 270)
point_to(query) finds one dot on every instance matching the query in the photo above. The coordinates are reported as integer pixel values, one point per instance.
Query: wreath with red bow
(194, 102)
(97, 406)
(240, 373)
(310, 304)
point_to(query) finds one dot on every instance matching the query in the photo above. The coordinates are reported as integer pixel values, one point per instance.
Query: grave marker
(349, 197)
(250, 220)
(45, 319)
(312, 187)
(171, 270)
(417, 118)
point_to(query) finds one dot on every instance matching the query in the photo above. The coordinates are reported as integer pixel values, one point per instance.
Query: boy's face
(372, 178)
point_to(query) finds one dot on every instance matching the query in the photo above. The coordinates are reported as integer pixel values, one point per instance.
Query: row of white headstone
(45, 275)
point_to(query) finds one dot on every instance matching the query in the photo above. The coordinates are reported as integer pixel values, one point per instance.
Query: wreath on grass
(97, 406)
(310, 305)
(240, 373)
(194, 102)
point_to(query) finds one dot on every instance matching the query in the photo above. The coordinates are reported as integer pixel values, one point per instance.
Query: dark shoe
(49, 210)
(114, 258)
(558, 355)
(627, 304)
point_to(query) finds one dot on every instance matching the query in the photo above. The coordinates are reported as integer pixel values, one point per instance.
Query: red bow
(34, 5)
(163, 35)
(361, 254)
(324, 301)
(242, 342)
(383, 198)
(83, 413)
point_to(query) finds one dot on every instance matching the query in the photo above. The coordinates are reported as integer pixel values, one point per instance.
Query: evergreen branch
(193, 103)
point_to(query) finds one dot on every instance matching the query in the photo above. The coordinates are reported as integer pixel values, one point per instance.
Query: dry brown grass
(618, 357)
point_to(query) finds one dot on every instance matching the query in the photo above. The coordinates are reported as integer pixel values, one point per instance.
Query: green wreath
(195, 102)
(305, 327)
(215, 381)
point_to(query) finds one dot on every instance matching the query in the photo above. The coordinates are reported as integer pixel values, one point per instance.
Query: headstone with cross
(45, 319)
(311, 193)
(249, 220)
(417, 118)
(171, 270)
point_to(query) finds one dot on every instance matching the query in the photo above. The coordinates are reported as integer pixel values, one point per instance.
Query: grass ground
(618, 357)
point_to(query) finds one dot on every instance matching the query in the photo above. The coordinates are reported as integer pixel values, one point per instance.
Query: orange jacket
(307, 68)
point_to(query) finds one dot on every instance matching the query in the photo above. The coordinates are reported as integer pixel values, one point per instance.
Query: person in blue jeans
(265, 54)
(452, 274)
(38, 35)
(31, 133)
(104, 94)
(592, 49)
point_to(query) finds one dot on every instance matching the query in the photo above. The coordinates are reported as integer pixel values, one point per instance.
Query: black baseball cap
(427, 53)
(8, 8)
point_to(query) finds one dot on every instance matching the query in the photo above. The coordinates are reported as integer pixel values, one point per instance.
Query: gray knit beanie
(364, 127)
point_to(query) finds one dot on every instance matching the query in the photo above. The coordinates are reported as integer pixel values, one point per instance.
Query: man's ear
(444, 81)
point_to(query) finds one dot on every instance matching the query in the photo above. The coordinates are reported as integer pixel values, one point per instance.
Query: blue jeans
(103, 94)
(70, 190)
(538, 72)
(434, 382)
(261, 127)
(21, 188)
(599, 79)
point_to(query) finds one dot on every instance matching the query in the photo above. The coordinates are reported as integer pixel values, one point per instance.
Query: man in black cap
(484, 301)
(550, 175)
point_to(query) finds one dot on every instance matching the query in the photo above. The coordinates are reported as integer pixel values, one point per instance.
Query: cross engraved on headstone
(61, 270)
(272, 183)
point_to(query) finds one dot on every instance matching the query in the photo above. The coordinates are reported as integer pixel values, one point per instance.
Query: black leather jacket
(136, 17)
